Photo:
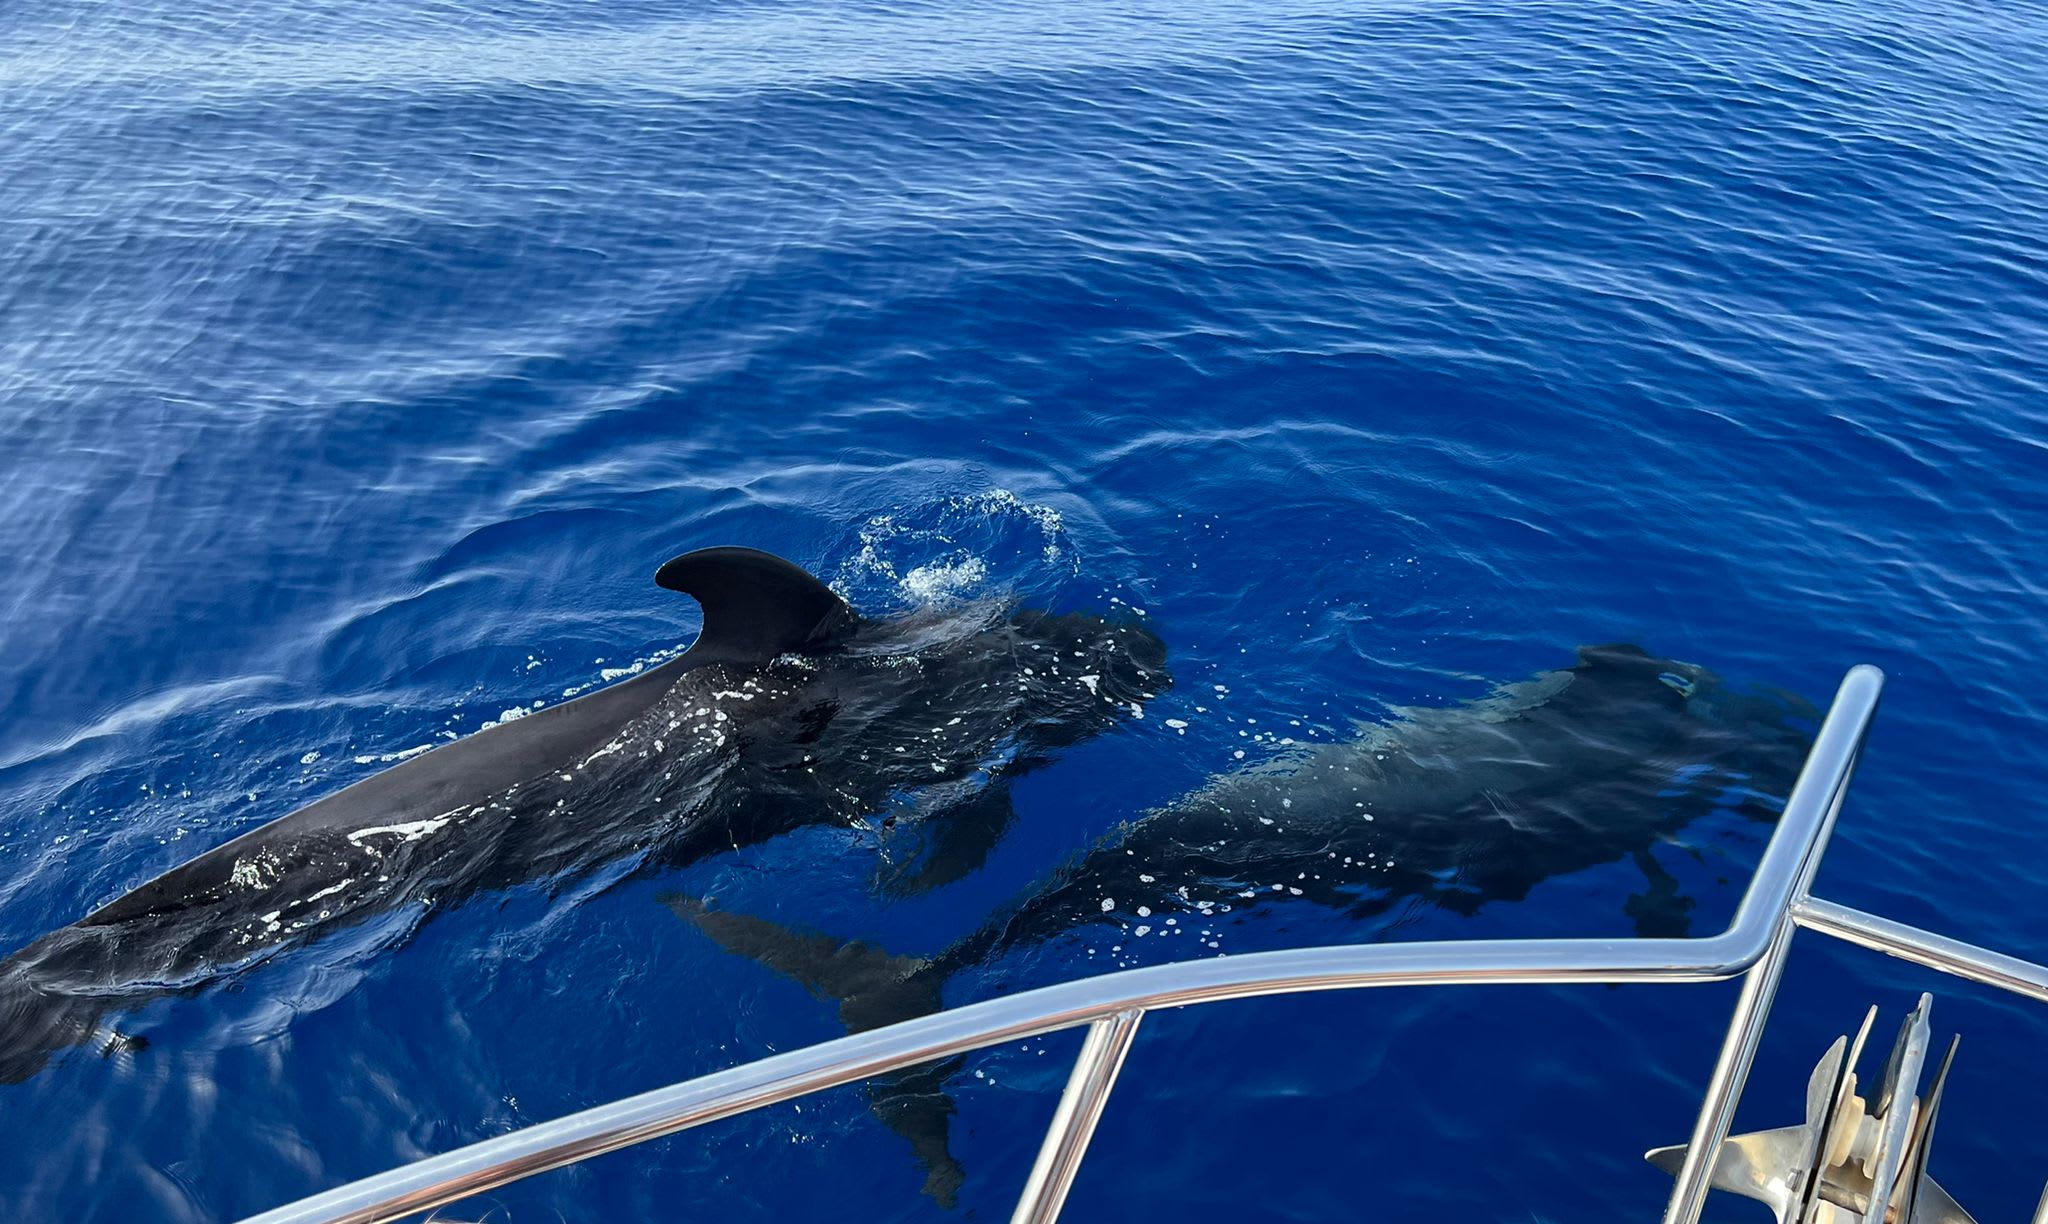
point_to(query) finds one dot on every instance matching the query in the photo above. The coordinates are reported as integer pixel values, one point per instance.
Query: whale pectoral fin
(873, 988)
(37, 1020)
(1661, 911)
(756, 605)
(955, 840)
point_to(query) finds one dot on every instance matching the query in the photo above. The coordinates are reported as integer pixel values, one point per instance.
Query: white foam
(504, 716)
(939, 581)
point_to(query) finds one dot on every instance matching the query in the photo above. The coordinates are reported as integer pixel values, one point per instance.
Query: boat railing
(1112, 1005)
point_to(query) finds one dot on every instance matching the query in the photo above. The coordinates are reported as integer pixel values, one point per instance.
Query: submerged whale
(789, 709)
(1456, 807)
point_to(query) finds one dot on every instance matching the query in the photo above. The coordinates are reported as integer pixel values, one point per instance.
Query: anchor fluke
(1852, 1161)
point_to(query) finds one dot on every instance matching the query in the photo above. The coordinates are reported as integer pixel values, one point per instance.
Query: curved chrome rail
(1112, 1004)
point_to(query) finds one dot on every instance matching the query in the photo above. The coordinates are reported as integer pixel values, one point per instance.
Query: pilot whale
(1457, 807)
(788, 709)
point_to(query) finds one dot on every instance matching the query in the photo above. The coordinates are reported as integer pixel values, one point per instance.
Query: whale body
(789, 709)
(1455, 807)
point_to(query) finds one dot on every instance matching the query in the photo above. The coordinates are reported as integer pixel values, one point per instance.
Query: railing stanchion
(1822, 786)
(1073, 1123)
(1724, 1090)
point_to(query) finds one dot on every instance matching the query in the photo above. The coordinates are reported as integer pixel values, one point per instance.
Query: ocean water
(359, 363)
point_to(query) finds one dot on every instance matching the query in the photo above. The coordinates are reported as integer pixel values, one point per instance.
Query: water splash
(954, 548)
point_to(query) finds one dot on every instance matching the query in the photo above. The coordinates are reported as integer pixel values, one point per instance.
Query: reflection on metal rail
(1754, 943)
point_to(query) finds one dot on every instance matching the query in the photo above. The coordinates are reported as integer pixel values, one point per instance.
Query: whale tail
(872, 988)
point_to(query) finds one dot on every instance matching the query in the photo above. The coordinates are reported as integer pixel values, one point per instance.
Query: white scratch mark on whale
(410, 831)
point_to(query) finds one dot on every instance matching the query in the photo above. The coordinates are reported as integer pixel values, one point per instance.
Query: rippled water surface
(359, 363)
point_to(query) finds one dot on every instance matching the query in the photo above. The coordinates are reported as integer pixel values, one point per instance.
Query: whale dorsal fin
(1614, 654)
(756, 605)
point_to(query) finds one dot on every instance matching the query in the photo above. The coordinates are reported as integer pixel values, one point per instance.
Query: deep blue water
(358, 364)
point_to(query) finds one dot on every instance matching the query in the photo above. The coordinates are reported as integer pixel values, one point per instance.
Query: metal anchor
(1854, 1160)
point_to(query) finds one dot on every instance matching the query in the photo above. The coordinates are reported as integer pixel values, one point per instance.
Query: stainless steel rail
(1102, 1056)
(1923, 947)
(1755, 942)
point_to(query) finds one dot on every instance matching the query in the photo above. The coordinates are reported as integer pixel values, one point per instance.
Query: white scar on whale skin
(615, 746)
(410, 831)
(329, 891)
(389, 757)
